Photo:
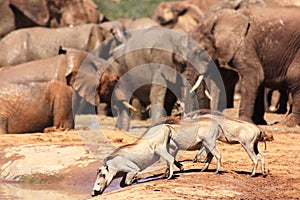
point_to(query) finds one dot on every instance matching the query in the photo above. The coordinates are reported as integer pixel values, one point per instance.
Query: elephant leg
(283, 101)
(138, 115)
(157, 96)
(252, 77)
(62, 109)
(293, 119)
(170, 101)
(3, 126)
(230, 79)
(123, 117)
(259, 108)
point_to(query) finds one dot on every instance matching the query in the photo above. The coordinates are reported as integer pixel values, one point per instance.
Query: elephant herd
(47, 74)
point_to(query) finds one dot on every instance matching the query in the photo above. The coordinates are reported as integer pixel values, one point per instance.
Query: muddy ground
(62, 165)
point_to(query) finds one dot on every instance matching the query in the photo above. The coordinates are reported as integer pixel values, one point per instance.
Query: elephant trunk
(123, 108)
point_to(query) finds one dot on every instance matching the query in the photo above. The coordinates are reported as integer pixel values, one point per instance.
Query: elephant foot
(259, 121)
(255, 120)
(292, 120)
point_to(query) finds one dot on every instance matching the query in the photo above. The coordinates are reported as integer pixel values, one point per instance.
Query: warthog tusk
(127, 105)
(198, 82)
(208, 95)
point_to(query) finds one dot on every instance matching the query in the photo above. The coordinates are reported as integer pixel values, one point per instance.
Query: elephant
(181, 15)
(85, 73)
(152, 70)
(261, 44)
(35, 107)
(37, 43)
(47, 13)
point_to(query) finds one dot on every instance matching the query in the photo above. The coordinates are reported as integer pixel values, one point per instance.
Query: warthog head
(103, 180)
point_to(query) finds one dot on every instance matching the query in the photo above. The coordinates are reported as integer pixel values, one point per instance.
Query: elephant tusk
(126, 104)
(208, 95)
(198, 82)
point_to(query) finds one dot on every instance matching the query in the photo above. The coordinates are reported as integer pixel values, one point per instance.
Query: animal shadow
(248, 173)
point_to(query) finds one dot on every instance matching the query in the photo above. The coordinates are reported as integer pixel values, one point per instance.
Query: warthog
(235, 131)
(133, 158)
(193, 135)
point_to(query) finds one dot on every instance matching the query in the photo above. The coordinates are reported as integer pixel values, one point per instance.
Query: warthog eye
(102, 175)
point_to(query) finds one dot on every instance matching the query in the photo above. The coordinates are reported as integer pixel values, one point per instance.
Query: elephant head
(88, 76)
(66, 13)
(178, 14)
(213, 33)
(182, 15)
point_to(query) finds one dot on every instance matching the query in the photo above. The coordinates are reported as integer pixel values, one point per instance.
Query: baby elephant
(133, 158)
(235, 131)
(35, 107)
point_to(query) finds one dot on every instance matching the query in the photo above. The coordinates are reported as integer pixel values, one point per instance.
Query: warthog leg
(262, 161)
(163, 152)
(255, 156)
(130, 178)
(214, 152)
(197, 157)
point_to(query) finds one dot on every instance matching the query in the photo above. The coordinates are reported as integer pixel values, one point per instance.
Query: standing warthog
(193, 135)
(133, 158)
(235, 131)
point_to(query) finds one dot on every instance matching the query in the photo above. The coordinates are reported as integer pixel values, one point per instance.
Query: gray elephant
(46, 13)
(37, 43)
(265, 54)
(152, 67)
(35, 106)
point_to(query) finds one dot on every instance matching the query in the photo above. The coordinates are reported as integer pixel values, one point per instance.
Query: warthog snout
(95, 193)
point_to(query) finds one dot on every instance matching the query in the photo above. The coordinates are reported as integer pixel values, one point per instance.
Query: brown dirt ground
(281, 157)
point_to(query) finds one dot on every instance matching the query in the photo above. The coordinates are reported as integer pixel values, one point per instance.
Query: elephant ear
(229, 31)
(35, 10)
(84, 75)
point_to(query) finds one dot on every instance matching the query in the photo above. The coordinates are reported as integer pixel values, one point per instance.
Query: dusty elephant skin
(182, 15)
(82, 71)
(49, 13)
(133, 158)
(38, 43)
(35, 106)
(262, 44)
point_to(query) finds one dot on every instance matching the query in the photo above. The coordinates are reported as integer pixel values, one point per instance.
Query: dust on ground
(49, 164)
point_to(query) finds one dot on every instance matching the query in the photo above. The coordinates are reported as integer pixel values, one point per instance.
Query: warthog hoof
(95, 193)
(179, 166)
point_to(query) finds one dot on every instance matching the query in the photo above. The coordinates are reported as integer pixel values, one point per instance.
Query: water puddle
(9, 191)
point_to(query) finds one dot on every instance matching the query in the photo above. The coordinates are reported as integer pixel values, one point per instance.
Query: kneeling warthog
(235, 131)
(133, 158)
